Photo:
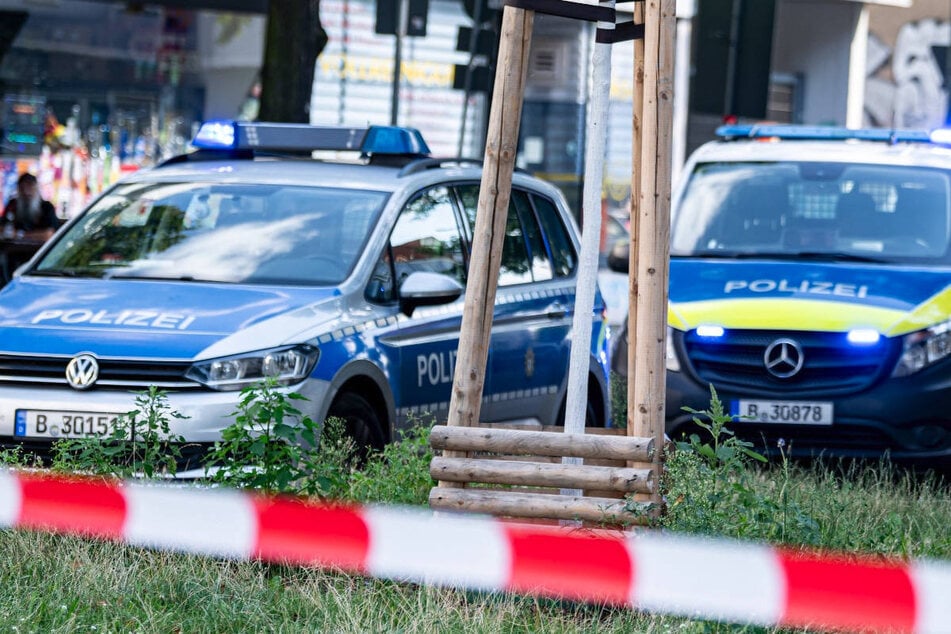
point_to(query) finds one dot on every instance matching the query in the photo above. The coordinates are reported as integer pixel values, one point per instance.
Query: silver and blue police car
(249, 258)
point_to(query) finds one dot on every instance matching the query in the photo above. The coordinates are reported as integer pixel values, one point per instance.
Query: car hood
(154, 319)
(826, 297)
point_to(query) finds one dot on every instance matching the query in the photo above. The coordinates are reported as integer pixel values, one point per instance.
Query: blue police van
(342, 279)
(810, 283)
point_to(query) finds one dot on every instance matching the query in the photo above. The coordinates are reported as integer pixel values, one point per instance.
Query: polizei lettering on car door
(804, 287)
(435, 368)
(136, 318)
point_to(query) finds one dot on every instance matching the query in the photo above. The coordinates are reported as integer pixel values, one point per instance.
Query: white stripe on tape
(10, 499)
(218, 523)
(437, 550)
(932, 581)
(701, 578)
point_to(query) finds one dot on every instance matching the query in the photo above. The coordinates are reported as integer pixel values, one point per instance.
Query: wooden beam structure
(463, 435)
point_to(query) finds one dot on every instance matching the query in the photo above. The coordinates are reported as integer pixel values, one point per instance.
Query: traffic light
(388, 16)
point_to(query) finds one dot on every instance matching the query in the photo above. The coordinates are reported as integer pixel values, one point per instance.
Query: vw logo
(82, 372)
(783, 358)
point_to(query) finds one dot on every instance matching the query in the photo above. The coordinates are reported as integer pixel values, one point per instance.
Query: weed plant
(139, 444)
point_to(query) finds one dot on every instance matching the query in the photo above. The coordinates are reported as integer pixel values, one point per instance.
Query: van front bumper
(907, 419)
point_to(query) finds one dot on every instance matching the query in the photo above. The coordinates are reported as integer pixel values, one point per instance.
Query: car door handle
(556, 311)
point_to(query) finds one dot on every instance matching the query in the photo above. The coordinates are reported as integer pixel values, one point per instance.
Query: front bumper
(907, 419)
(205, 413)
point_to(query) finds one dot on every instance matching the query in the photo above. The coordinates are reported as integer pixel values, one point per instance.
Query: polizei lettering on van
(805, 287)
(136, 318)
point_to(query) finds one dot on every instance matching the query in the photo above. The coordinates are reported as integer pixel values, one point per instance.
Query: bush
(140, 444)
(273, 447)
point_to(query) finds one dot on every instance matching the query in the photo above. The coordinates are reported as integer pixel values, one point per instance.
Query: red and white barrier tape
(709, 579)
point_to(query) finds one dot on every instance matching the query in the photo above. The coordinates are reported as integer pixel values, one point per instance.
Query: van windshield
(238, 233)
(814, 209)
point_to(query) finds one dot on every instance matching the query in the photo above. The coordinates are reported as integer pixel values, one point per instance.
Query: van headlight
(285, 365)
(923, 348)
(673, 363)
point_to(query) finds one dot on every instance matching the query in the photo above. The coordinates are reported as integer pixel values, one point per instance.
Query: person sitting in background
(28, 214)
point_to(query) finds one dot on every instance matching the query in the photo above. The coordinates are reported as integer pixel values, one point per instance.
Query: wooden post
(653, 262)
(638, 98)
(500, 149)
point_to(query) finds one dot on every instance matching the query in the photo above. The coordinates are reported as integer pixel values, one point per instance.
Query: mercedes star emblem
(783, 358)
(82, 372)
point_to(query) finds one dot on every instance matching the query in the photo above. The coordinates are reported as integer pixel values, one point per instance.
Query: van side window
(426, 237)
(562, 250)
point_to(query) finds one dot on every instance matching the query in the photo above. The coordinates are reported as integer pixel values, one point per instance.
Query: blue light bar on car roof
(294, 137)
(821, 133)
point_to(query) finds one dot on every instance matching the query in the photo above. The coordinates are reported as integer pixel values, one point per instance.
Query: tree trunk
(294, 39)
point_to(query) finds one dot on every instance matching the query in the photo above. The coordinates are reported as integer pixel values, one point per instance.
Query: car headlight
(673, 363)
(923, 348)
(285, 365)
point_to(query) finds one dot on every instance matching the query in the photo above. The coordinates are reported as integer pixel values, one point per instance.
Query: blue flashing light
(216, 135)
(863, 336)
(941, 136)
(394, 140)
(710, 332)
(303, 138)
(822, 133)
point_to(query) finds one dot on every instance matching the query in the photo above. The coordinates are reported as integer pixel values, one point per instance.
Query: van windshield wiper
(829, 256)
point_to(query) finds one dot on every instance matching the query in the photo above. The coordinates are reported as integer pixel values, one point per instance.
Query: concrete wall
(813, 39)
(908, 65)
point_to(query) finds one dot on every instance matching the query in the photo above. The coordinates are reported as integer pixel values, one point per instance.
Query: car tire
(591, 416)
(361, 421)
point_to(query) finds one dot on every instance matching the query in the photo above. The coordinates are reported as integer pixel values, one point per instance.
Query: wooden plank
(557, 429)
(500, 150)
(507, 441)
(541, 475)
(529, 505)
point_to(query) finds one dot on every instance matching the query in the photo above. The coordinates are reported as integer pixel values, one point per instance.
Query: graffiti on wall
(906, 86)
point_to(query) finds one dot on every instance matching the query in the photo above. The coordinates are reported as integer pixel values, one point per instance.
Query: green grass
(63, 584)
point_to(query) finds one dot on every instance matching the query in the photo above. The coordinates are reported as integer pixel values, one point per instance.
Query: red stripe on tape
(89, 507)
(570, 566)
(849, 594)
(299, 532)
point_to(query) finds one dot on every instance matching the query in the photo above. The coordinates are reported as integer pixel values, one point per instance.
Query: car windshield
(814, 210)
(238, 233)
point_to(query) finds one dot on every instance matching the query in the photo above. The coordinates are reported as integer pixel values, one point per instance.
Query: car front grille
(831, 364)
(113, 374)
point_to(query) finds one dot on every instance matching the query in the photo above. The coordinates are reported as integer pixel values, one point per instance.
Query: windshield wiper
(160, 278)
(830, 256)
(54, 273)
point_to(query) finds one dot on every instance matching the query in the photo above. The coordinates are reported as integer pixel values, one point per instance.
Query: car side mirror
(619, 259)
(423, 288)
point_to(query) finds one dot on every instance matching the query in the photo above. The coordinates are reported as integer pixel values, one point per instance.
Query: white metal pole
(577, 399)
